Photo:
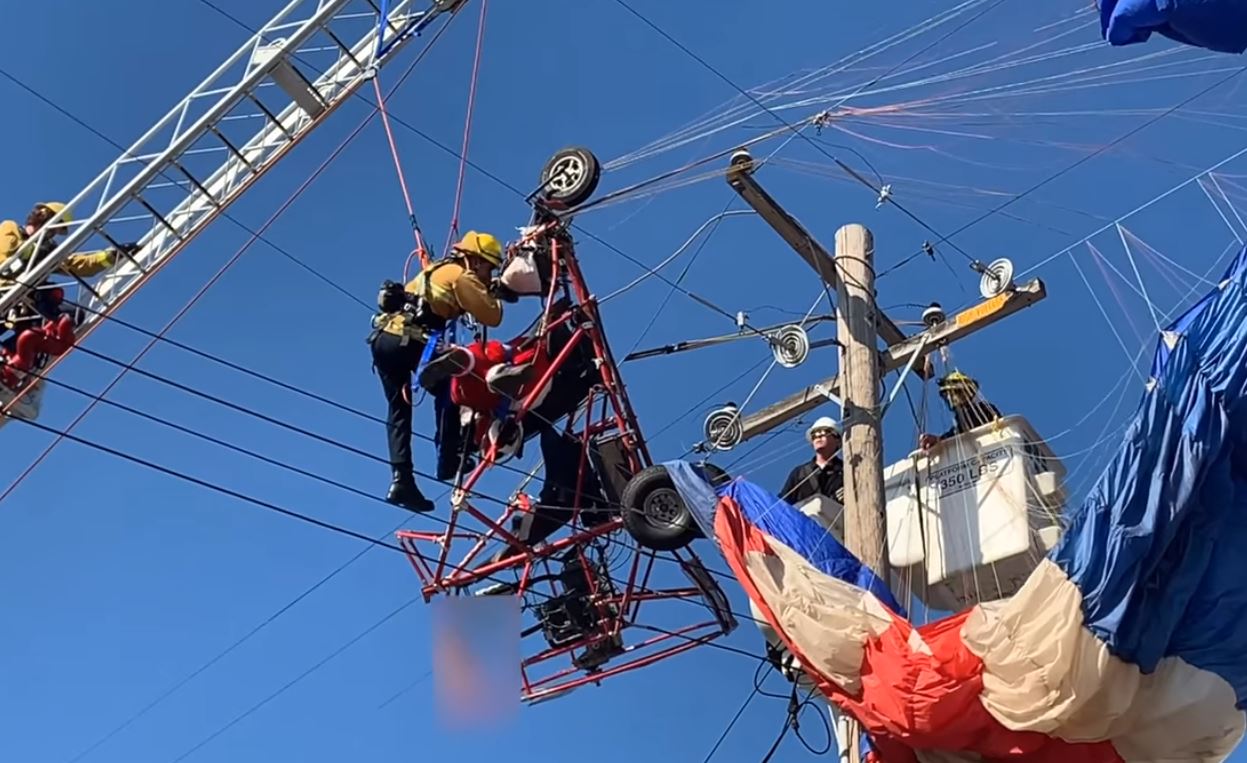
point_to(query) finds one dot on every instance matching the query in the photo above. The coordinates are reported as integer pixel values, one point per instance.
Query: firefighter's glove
(503, 292)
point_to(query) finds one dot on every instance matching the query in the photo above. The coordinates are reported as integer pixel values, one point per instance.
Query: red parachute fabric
(910, 699)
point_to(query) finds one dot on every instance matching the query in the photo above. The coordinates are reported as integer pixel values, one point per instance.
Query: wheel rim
(662, 509)
(567, 174)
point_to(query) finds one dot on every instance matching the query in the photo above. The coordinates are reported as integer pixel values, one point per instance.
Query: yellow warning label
(981, 310)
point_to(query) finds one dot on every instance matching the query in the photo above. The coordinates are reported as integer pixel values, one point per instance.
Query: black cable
(732, 723)
(318, 522)
(797, 132)
(143, 711)
(283, 464)
(1089, 157)
(775, 746)
(235, 494)
(268, 419)
(289, 684)
(224, 213)
(831, 736)
(468, 162)
(759, 680)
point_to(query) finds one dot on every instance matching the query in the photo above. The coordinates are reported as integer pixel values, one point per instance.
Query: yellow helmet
(482, 245)
(55, 207)
(957, 379)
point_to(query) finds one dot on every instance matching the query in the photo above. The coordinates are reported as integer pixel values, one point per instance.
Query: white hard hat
(824, 422)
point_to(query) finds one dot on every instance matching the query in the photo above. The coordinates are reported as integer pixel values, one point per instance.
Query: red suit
(472, 388)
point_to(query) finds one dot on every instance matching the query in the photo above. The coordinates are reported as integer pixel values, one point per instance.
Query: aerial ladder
(206, 152)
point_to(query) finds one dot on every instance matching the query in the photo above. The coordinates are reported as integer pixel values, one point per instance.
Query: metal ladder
(206, 152)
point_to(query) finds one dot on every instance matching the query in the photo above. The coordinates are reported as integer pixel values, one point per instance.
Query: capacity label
(963, 475)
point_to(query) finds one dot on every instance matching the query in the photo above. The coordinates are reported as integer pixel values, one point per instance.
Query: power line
(732, 723)
(229, 264)
(458, 155)
(243, 409)
(202, 483)
(224, 213)
(797, 132)
(270, 506)
(255, 630)
(291, 683)
(281, 611)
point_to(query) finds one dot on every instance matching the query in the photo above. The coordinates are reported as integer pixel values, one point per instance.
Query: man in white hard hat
(824, 473)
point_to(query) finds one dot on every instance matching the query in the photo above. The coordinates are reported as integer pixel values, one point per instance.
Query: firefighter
(824, 473)
(409, 318)
(49, 330)
(961, 395)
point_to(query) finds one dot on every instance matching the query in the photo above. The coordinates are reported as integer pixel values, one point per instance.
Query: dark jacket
(971, 416)
(808, 480)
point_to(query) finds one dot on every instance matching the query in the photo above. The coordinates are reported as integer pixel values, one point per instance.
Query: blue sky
(119, 581)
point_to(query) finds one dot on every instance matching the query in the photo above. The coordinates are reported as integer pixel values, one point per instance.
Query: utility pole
(856, 316)
(859, 368)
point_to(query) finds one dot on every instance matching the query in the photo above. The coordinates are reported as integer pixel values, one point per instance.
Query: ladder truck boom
(206, 152)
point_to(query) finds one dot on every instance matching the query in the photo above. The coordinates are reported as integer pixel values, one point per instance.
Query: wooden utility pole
(864, 529)
(864, 524)
(899, 348)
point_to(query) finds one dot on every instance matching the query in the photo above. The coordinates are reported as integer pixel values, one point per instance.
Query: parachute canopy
(1219, 25)
(1127, 643)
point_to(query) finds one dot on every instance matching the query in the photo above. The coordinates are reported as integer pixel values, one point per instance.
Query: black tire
(654, 514)
(571, 176)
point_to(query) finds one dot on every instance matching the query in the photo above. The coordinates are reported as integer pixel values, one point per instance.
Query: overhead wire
(648, 22)
(294, 681)
(194, 391)
(259, 236)
(255, 630)
(266, 241)
(649, 271)
(754, 692)
(270, 506)
(1083, 160)
(203, 290)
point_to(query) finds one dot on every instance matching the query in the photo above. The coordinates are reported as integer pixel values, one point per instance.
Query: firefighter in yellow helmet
(961, 395)
(409, 316)
(20, 240)
(49, 330)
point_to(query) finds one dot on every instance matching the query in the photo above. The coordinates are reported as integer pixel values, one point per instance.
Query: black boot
(444, 365)
(405, 493)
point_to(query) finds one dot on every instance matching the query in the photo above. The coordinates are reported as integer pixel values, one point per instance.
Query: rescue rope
(467, 126)
(402, 179)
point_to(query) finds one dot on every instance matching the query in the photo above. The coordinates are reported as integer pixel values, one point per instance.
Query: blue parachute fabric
(696, 492)
(785, 523)
(1159, 547)
(1218, 25)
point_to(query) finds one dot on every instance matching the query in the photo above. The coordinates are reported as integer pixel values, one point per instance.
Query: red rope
(467, 127)
(402, 180)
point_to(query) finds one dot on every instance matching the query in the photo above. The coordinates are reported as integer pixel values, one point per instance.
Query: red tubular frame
(616, 610)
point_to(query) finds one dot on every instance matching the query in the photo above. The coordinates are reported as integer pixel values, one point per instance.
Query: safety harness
(419, 319)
